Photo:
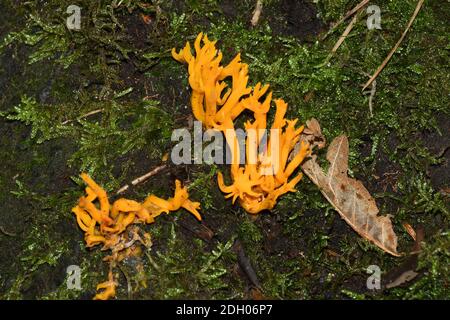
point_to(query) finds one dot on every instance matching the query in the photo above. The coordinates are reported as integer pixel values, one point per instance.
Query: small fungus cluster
(111, 225)
(259, 183)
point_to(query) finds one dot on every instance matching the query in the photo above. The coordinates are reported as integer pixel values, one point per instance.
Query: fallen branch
(381, 67)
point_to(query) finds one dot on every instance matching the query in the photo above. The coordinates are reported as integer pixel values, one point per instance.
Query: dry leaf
(349, 197)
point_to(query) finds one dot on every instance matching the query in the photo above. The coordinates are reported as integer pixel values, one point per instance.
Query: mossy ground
(118, 63)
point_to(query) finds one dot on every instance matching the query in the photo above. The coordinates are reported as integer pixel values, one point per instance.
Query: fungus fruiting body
(264, 176)
(108, 224)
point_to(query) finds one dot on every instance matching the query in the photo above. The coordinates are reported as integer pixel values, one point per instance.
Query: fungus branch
(113, 226)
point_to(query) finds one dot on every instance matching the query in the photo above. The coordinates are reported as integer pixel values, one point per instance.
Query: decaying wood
(349, 196)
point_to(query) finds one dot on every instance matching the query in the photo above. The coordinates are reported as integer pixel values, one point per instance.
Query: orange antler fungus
(206, 78)
(265, 175)
(106, 224)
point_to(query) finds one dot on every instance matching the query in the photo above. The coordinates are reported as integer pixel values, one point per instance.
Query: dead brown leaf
(311, 134)
(349, 196)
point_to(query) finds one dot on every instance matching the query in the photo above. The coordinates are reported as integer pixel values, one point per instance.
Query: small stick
(152, 262)
(381, 67)
(257, 13)
(84, 116)
(142, 178)
(200, 231)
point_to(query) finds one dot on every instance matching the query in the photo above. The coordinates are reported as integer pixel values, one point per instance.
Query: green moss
(205, 276)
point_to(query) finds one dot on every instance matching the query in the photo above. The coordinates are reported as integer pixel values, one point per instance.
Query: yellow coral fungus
(108, 288)
(206, 78)
(157, 205)
(105, 224)
(265, 175)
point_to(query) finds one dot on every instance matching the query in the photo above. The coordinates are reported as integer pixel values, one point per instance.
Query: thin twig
(347, 15)
(152, 262)
(340, 40)
(142, 178)
(257, 13)
(84, 116)
(381, 67)
(345, 34)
